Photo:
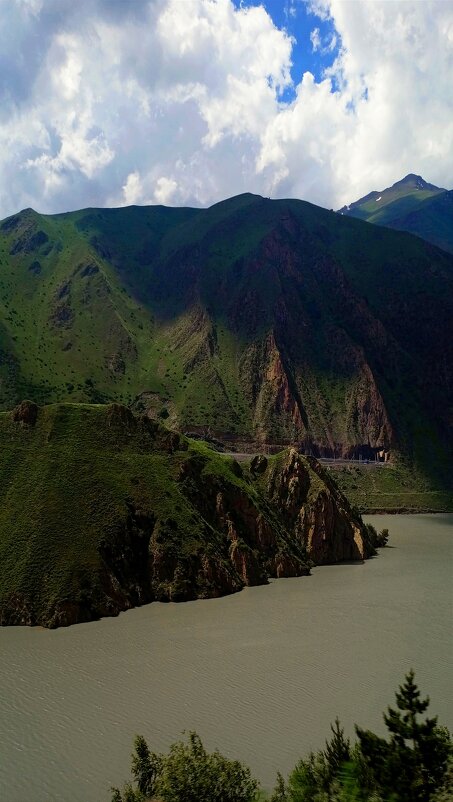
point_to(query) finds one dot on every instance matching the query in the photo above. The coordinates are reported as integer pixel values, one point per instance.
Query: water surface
(260, 674)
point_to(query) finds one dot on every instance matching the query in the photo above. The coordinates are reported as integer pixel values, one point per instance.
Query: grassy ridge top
(410, 205)
(393, 488)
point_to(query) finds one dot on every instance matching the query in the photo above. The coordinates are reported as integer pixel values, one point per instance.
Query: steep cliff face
(315, 511)
(107, 510)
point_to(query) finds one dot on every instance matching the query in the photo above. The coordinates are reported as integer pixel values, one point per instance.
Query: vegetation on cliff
(102, 510)
(378, 539)
(412, 765)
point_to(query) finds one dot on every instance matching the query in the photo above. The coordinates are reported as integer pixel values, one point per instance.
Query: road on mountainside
(339, 462)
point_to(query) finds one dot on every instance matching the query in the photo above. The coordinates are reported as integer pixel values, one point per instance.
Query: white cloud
(392, 115)
(106, 102)
(165, 190)
(132, 189)
(315, 40)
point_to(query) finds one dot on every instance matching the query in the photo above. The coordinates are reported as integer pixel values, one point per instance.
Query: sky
(187, 102)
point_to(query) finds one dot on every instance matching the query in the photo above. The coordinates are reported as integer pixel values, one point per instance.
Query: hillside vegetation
(102, 510)
(395, 488)
(255, 321)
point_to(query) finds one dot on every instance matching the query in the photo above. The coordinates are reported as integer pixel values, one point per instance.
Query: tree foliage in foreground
(415, 764)
(412, 765)
(187, 774)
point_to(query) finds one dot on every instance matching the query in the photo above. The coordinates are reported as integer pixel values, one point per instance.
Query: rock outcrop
(315, 511)
(25, 413)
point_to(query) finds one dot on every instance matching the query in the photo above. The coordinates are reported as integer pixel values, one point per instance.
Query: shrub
(187, 774)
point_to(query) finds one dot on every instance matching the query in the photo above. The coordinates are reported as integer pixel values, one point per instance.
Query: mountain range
(413, 205)
(255, 322)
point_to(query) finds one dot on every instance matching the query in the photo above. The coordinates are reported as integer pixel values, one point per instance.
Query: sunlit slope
(410, 205)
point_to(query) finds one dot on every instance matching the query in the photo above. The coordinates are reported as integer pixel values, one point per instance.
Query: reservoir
(260, 674)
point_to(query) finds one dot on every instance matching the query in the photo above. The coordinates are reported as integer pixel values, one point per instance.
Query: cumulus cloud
(392, 112)
(108, 103)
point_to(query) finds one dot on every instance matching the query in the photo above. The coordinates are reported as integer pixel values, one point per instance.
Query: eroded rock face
(318, 515)
(328, 533)
(254, 538)
(258, 464)
(120, 415)
(299, 518)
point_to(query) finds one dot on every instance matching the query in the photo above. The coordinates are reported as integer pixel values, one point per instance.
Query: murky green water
(259, 674)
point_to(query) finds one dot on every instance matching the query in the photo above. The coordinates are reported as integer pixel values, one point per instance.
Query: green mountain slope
(102, 510)
(410, 205)
(258, 321)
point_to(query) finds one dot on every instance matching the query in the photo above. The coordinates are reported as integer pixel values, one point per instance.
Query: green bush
(187, 774)
(378, 539)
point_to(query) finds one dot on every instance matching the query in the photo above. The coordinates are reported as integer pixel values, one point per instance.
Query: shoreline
(404, 511)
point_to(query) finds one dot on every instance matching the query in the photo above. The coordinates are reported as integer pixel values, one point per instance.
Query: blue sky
(299, 21)
(186, 102)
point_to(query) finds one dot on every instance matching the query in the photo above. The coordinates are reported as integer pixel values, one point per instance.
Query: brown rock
(26, 413)
(258, 464)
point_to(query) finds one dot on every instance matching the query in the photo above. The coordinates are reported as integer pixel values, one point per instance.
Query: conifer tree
(413, 762)
(145, 766)
(279, 794)
(338, 749)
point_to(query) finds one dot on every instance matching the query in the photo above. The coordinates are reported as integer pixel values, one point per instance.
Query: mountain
(257, 322)
(410, 205)
(105, 510)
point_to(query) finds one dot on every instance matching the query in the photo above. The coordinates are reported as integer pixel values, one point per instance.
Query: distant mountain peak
(411, 204)
(416, 182)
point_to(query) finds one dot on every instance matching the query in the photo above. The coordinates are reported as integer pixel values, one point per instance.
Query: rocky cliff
(107, 510)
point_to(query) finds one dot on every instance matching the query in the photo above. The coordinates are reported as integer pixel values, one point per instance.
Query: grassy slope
(76, 473)
(62, 358)
(392, 205)
(392, 488)
(426, 212)
(431, 220)
(113, 313)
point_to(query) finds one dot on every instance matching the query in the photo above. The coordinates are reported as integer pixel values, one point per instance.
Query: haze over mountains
(254, 321)
(411, 204)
